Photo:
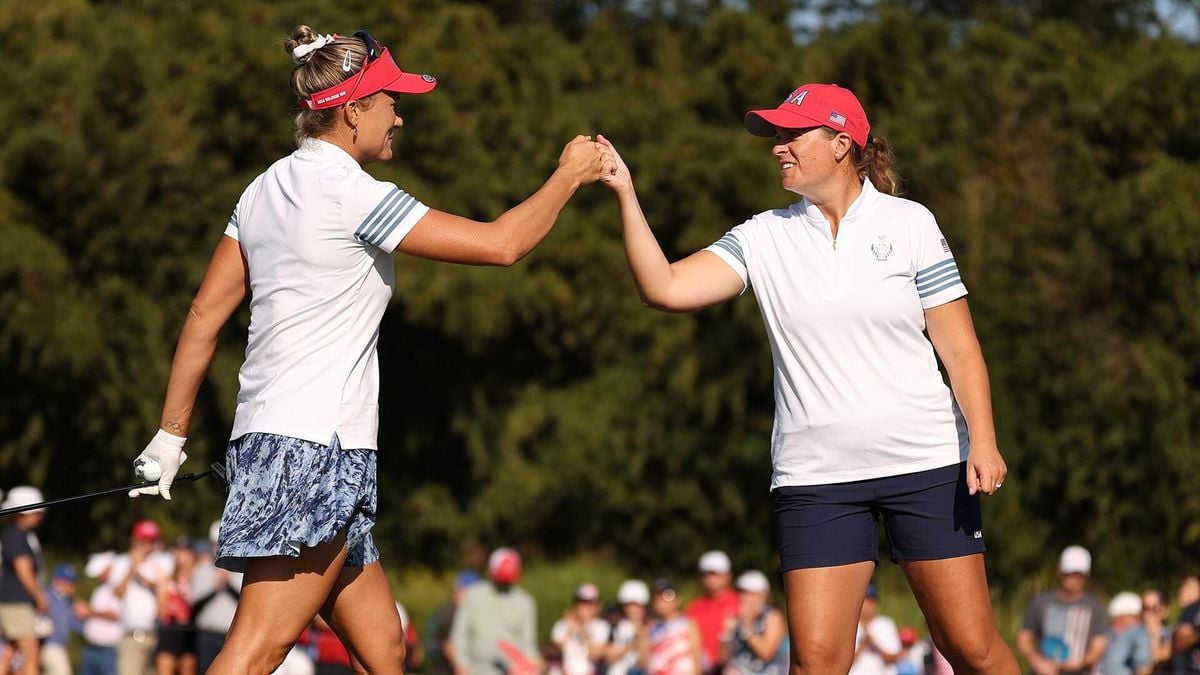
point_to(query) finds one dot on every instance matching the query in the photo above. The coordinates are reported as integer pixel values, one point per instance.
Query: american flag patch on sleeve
(945, 245)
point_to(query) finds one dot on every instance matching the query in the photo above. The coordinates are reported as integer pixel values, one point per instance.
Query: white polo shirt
(858, 394)
(318, 234)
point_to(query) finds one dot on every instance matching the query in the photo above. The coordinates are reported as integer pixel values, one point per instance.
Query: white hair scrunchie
(304, 50)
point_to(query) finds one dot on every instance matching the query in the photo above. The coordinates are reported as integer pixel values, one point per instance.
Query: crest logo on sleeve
(881, 248)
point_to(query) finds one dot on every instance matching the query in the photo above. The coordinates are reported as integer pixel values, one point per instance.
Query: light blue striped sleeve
(938, 279)
(379, 213)
(733, 249)
(231, 228)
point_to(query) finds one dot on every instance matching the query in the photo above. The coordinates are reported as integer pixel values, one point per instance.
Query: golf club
(216, 468)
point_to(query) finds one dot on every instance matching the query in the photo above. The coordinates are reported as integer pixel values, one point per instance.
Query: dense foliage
(1058, 143)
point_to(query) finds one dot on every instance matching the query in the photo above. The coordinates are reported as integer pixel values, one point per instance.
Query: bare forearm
(23, 567)
(1095, 651)
(1160, 646)
(972, 389)
(1025, 646)
(193, 355)
(651, 270)
(525, 225)
(761, 647)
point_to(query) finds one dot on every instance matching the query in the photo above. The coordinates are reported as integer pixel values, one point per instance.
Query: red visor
(380, 74)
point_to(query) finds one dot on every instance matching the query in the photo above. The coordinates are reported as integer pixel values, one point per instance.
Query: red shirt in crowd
(710, 615)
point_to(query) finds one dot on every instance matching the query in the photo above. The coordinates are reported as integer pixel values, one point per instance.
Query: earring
(355, 133)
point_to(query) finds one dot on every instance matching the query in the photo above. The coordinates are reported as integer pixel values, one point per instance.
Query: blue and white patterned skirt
(286, 494)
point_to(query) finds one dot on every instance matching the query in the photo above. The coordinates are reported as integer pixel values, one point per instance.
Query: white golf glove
(159, 461)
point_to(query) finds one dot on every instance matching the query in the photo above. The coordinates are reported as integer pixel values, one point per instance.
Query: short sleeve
(734, 249)
(231, 229)
(377, 212)
(938, 278)
(558, 633)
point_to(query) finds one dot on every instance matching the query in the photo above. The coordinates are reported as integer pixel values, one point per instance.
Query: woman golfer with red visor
(849, 280)
(310, 242)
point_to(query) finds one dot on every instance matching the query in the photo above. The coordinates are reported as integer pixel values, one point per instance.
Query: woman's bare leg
(953, 595)
(362, 612)
(280, 596)
(823, 607)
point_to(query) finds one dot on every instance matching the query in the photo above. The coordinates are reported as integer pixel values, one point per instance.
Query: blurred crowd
(166, 608)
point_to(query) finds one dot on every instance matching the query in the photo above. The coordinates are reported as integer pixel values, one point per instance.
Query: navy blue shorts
(928, 515)
(286, 494)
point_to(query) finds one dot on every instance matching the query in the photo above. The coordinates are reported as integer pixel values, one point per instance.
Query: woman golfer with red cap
(310, 243)
(848, 281)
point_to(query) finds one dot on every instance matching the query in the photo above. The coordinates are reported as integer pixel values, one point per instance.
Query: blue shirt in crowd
(62, 613)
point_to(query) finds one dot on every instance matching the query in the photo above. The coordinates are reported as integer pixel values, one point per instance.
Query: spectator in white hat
(712, 610)
(624, 653)
(21, 596)
(581, 635)
(752, 641)
(1128, 650)
(1063, 632)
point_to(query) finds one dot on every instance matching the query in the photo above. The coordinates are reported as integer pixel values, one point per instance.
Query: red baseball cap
(814, 105)
(146, 530)
(504, 566)
(380, 73)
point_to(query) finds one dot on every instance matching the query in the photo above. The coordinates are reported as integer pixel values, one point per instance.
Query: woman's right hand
(585, 159)
(619, 178)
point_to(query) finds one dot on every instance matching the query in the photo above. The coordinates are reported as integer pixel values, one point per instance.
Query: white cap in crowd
(23, 495)
(633, 591)
(753, 582)
(715, 562)
(1125, 604)
(1075, 560)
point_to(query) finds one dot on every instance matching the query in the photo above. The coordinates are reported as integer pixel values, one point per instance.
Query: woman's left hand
(986, 469)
